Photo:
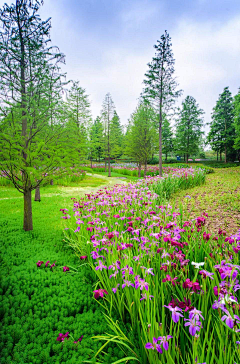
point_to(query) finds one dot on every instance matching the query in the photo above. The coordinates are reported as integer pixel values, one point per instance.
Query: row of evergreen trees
(185, 138)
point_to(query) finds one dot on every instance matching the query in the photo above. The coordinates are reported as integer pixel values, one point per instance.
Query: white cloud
(207, 59)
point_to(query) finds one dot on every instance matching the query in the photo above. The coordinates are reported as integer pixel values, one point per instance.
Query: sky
(108, 44)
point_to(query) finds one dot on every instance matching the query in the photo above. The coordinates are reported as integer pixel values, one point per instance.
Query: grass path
(219, 197)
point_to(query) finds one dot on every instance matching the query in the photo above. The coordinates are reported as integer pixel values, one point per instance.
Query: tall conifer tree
(108, 108)
(188, 127)
(222, 125)
(160, 85)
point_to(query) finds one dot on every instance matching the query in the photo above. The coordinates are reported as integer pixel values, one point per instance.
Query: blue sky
(108, 44)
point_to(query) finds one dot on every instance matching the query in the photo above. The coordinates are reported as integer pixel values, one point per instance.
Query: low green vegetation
(38, 303)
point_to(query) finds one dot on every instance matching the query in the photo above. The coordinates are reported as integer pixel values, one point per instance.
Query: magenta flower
(189, 284)
(164, 341)
(170, 279)
(46, 264)
(62, 337)
(53, 265)
(99, 293)
(39, 263)
(83, 257)
(175, 314)
(65, 269)
(154, 346)
(78, 340)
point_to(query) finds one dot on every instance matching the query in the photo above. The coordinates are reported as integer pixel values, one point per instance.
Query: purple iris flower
(142, 284)
(194, 325)
(175, 314)
(115, 265)
(195, 314)
(101, 266)
(229, 320)
(164, 341)
(126, 269)
(115, 288)
(127, 283)
(114, 274)
(206, 274)
(229, 272)
(144, 296)
(217, 305)
(149, 271)
(154, 346)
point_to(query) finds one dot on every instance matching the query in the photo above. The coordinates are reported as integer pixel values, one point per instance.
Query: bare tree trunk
(160, 144)
(217, 155)
(220, 156)
(109, 167)
(145, 168)
(139, 170)
(51, 182)
(225, 142)
(37, 194)
(27, 222)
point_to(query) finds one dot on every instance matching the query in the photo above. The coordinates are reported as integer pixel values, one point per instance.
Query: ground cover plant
(173, 281)
(39, 302)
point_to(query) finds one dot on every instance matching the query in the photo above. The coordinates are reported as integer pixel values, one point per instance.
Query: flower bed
(173, 284)
(131, 169)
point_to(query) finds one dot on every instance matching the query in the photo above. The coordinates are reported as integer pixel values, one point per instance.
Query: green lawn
(39, 303)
